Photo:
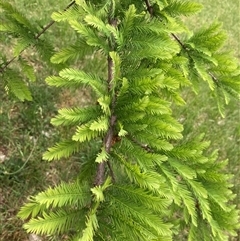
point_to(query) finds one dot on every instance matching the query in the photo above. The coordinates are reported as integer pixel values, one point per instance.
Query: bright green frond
(59, 82)
(157, 106)
(116, 65)
(105, 102)
(76, 51)
(190, 151)
(216, 195)
(204, 74)
(101, 124)
(85, 133)
(166, 127)
(157, 47)
(97, 191)
(184, 170)
(128, 21)
(86, 6)
(186, 8)
(197, 188)
(91, 227)
(31, 209)
(65, 194)
(18, 87)
(97, 23)
(16, 15)
(148, 224)
(76, 115)
(74, 78)
(11, 28)
(91, 37)
(210, 38)
(140, 153)
(72, 13)
(143, 197)
(122, 132)
(144, 85)
(102, 156)
(226, 220)
(79, 76)
(61, 149)
(27, 70)
(153, 142)
(54, 223)
(181, 194)
(145, 179)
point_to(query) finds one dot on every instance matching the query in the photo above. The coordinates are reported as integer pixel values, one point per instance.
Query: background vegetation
(25, 132)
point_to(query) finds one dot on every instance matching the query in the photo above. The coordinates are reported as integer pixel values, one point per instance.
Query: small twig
(2, 69)
(179, 41)
(216, 81)
(52, 22)
(150, 10)
(143, 146)
(149, 7)
(44, 29)
(111, 171)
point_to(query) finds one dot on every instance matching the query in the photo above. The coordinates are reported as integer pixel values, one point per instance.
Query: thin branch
(179, 41)
(108, 140)
(150, 10)
(111, 171)
(214, 78)
(52, 22)
(44, 29)
(143, 146)
(2, 69)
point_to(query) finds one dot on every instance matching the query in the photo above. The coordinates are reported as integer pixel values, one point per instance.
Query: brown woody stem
(149, 7)
(108, 140)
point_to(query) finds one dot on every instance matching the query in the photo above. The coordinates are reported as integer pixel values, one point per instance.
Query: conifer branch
(150, 10)
(4, 67)
(157, 169)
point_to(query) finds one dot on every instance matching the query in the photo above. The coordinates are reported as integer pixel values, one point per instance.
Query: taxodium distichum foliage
(143, 179)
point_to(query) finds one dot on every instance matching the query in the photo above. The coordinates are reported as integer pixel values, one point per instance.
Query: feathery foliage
(146, 182)
(24, 34)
